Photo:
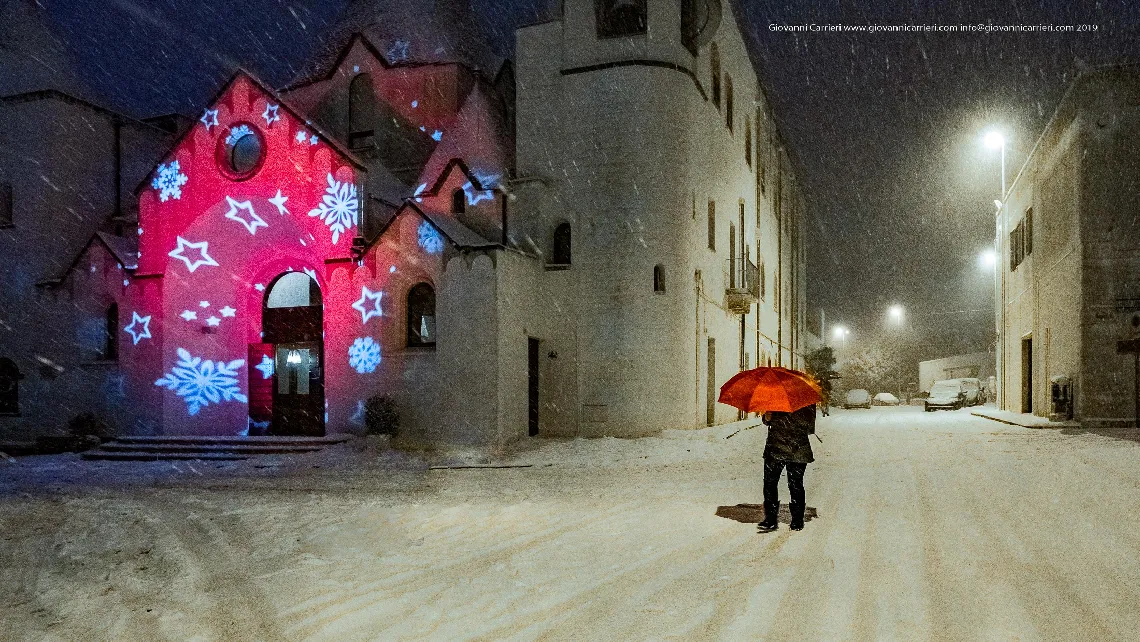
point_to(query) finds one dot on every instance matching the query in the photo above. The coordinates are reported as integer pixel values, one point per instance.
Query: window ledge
(554, 267)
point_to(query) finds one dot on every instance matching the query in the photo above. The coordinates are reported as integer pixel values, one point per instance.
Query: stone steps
(206, 448)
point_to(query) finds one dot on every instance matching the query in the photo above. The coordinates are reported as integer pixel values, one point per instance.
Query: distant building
(979, 365)
(1068, 240)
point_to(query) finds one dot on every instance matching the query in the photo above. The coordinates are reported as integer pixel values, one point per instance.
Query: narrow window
(659, 279)
(714, 66)
(561, 254)
(731, 255)
(712, 225)
(1028, 231)
(361, 112)
(763, 282)
(9, 387)
(616, 18)
(110, 350)
(761, 172)
(6, 205)
(458, 201)
(421, 316)
(748, 142)
(728, 102)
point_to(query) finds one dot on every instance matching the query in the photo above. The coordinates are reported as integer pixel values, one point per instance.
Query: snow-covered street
(930, 526)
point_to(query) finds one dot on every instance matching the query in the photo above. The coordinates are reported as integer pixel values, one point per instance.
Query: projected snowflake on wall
(138, 328)
(266, 366)
(429, 238)
(237, 133)
(364, 355)
(338, 207)
(168, 180)
(201, 383)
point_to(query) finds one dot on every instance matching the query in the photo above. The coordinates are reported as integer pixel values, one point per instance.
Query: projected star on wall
(228, 311)
(213, 322)
(266, 366)
(302, 136)
(193, 264)
(369, 304)
(209, 118)
(279, 202)
(189, 315)
(270, 114)
(242, 212)
(138, 328)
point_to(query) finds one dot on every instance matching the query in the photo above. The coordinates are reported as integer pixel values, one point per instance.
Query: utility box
(1061, 398)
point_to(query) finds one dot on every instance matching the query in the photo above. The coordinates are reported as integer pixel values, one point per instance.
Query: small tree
(820, 363)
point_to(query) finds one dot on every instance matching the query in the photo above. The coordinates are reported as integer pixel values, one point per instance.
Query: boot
(771, 513)
(797, 511)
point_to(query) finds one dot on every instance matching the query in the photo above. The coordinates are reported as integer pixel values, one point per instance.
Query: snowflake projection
(133, 328)
(270, 114)
(209, 118)
(201, 383)
(236, 134)
(437, 135)
(168, 180)
(369, 304)
(191, 265)
(364, 355)
(429, 238)
(398, 52)
(250, 220)
(266, 366)
(338, 208)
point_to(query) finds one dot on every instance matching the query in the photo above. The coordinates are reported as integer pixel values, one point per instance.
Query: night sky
(886, 126)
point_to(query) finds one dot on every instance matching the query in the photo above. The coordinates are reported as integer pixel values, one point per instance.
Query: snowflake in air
(429, 238)
(364, 355)
(338, 208)
(168, 180)
(201, 383)
(236, 134)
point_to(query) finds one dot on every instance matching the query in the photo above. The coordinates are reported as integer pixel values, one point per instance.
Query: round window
(241, 152)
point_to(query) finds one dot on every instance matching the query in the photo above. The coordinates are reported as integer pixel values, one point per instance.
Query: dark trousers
(772, 470)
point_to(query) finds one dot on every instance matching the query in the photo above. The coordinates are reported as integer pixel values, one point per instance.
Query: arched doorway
(292, 322)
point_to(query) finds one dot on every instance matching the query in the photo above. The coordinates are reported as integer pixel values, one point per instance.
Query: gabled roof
(446, 172)
(124, 250)
(328, 139)
(455, 232)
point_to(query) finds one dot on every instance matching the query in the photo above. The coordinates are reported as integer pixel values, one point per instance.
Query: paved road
(931, 526)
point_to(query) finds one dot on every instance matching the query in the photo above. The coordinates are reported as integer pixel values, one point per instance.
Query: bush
(381, 416)
(87, 430)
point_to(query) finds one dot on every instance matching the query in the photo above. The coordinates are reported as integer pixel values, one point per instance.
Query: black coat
(788, 436)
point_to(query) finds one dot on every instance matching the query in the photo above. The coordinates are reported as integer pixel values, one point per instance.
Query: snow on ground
(931, 526)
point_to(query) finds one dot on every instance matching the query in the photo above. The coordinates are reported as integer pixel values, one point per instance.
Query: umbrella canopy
(770, 390)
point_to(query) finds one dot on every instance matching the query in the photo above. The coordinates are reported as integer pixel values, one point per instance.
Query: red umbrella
(770, 389)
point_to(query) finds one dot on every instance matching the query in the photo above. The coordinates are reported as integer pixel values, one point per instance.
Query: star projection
(302, 136)
(270, 114)
(209, 118)
(279, 202)
(474, 195)
(228, 311)
(133, 328)
(189, 315)
(251, 221)
(203, 259)
(266, 366)
(168, 180)
(338, 207)
(369, 304)
(437, 135)
(201, 383)
(429, 239)
(236, 134)
(213, 322)
(364, 355)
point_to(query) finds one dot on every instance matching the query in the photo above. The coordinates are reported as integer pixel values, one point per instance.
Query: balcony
(742, 285)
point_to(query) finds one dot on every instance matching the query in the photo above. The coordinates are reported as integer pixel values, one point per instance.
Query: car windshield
(946, 388)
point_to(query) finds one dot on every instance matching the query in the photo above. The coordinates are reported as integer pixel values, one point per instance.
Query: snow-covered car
(973, 388)
(948, 394)
(857, 398)
(884, 399)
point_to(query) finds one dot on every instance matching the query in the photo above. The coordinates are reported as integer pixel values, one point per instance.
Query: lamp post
(995, 140)
(841, 333)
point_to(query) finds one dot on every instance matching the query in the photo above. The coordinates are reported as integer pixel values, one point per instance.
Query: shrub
(87, 430)
(381, 416)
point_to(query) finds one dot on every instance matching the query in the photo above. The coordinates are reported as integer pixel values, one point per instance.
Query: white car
(949, 394)
(857, 398)
(885, 399)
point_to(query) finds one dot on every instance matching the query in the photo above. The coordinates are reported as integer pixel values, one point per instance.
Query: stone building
(1069, 236)
(589, 252)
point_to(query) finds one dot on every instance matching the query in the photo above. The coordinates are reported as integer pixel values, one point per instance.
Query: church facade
(587, 247)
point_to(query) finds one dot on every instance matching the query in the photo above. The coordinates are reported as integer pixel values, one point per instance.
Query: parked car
(974, 393)
(949, 394)
(857, 398)
(885, 399)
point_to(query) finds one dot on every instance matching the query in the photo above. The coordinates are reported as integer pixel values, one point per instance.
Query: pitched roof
(455, 232)
(124, 250)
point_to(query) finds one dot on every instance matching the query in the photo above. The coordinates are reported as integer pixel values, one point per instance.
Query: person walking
(787, 446)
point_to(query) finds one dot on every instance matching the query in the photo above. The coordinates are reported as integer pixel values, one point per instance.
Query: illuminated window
(728, 102)
(458, 201)
(712, 225)
(617, 18)
(110, 351)
(561, 254)
(714, 65)
(361, 112)
(9, 387)
(659, 279)
(748, 142)
(5, 204)
(421, 316)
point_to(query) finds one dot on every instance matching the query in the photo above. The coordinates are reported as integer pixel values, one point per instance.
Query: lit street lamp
(896, 313)
(841, 334)
(994, 140)
(987, 260)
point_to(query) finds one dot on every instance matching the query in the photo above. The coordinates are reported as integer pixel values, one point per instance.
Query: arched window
(562, 246)
(458, 201)
(110, 350)
(421, 316)
(748, 142)
(659, 279)
(293, 290)
(714, 66)
(9, 387)
(728, 116)
(617, 18)
(361, 112)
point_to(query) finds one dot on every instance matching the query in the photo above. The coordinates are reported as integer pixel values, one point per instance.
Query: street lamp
(994, 140)
(841, 333)
(896, 313)
(987, 260)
